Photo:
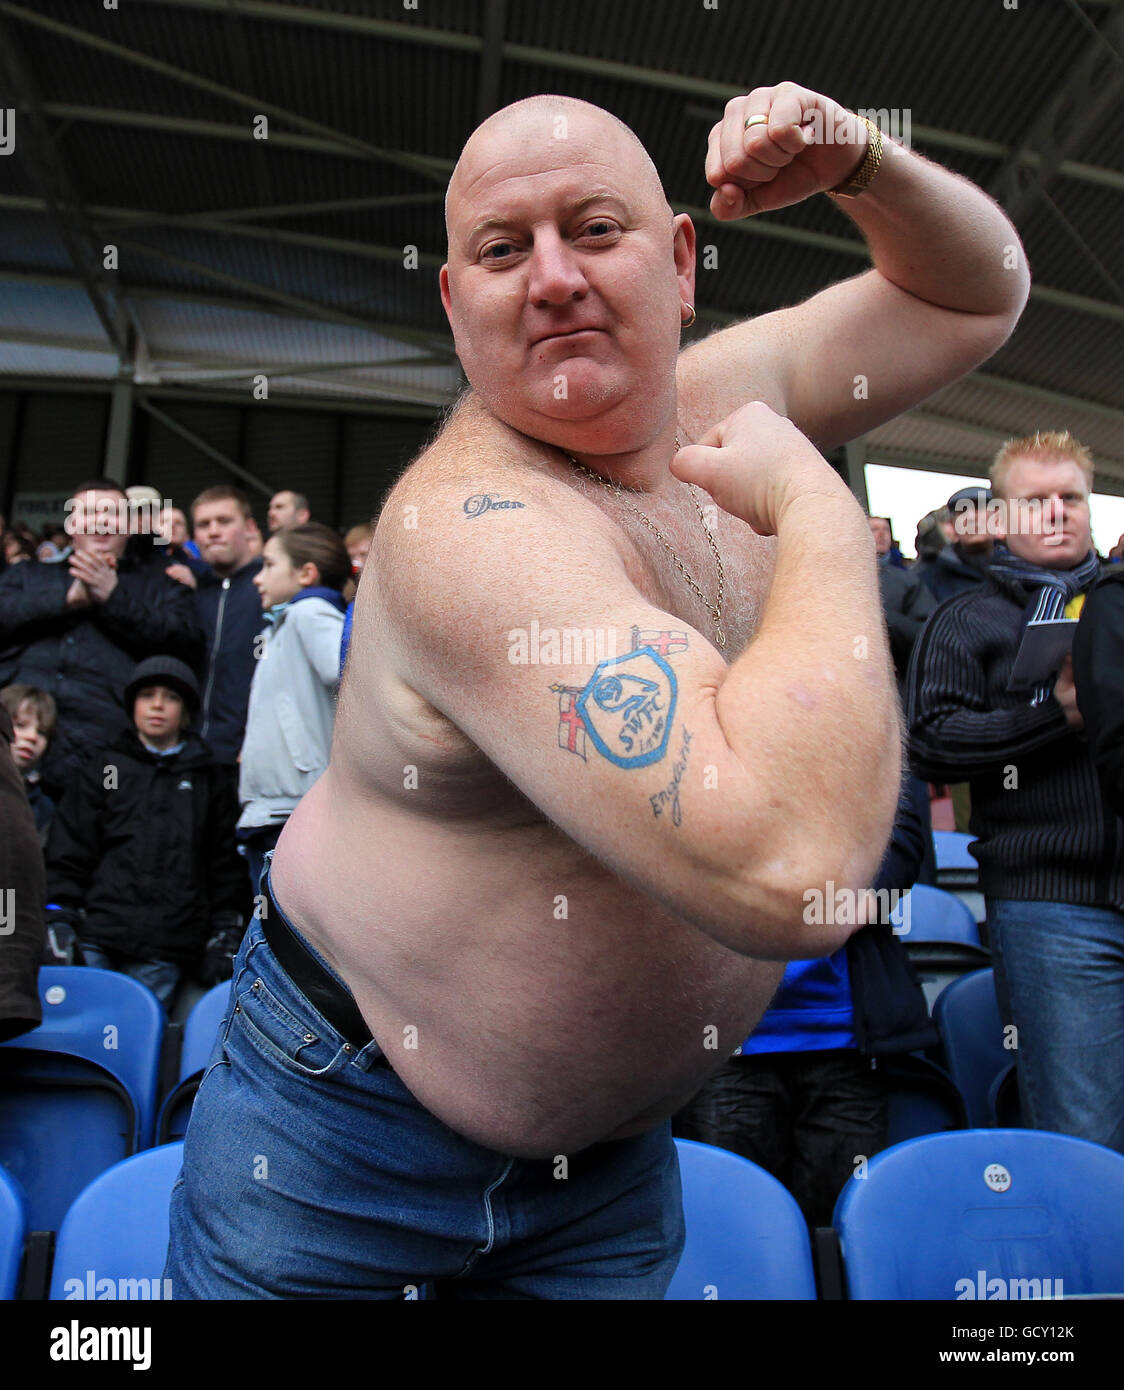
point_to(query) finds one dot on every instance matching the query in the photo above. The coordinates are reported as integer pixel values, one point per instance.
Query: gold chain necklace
(714, 609)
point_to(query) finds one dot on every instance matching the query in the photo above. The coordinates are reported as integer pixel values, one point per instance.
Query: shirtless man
(557, 878)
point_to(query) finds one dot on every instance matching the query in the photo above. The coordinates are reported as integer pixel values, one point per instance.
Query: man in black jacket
(141, 858)
(1098, 672)
(229, 608)
(962, 566)
(1048, 847)
(77, 628)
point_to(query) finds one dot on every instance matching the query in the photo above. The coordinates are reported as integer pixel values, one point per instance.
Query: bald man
(618, 700)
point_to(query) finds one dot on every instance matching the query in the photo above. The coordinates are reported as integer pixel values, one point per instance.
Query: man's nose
(556, 275)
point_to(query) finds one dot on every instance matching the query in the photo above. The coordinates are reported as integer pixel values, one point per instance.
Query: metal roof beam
(208, 450)
(576, 62)
(47, 172)
(433, 342)
(491, 57)
(1073, 112)
(310, 307)
(203, 375)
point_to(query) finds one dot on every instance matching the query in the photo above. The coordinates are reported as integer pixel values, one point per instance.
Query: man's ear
(446, 296)
(683, 246)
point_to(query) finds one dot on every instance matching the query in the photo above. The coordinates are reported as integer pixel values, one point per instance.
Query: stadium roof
(138, 125)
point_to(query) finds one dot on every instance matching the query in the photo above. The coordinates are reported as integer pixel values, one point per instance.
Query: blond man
(1048, 846)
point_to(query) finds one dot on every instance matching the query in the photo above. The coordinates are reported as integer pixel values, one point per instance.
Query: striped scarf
(1051, 590)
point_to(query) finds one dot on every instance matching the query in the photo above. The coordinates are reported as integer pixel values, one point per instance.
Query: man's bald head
(567, 275)
(543, 120)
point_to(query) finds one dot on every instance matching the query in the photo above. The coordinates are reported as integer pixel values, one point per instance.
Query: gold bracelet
(866, 171)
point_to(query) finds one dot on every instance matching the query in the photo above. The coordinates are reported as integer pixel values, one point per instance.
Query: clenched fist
(808, 144)
(755, 463)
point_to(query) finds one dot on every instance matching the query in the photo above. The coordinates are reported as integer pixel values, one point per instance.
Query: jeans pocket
(301, 1046)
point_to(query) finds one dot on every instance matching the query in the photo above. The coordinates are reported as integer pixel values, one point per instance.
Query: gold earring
(686, 323)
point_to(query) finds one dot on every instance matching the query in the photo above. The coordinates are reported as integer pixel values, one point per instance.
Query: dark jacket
(151, 857)
(1098, 672)
(231, 614)
(84, 657)
(906, 605)
(950, 574)
(1043, 829)
(21, 898)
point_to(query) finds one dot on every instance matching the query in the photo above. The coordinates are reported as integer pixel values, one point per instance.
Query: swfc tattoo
(626, 709)
(670, 793)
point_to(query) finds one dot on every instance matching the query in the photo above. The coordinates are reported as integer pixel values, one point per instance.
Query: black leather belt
(322, 990)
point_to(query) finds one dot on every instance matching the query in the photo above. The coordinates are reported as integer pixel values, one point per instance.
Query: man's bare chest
(679, 567)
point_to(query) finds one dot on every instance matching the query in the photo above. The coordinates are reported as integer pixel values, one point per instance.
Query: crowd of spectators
(170, 683)
(158, 753)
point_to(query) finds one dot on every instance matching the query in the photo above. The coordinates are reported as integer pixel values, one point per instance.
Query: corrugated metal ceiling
(369, 99)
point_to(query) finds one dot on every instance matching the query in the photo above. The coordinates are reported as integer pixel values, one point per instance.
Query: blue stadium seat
(13, 1228)
(1012, 1210)
(921, 1098)
(746, 1237)
(117, 1231)
(199, 1035)
(77, 1094)
(967, 1015)
(1004, 1103)
(935, 916)
(943, 939)
(109, 1019)
(953, 859)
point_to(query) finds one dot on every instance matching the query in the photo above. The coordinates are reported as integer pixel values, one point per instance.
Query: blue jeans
(1059, 975)
(161, 976)
(311, 1171)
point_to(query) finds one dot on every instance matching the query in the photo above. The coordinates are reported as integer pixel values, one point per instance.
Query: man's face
(175, 526)
(972, 531)
(1053, 530)
(222, 535)
(883, 538)
(565, 278)
(97, 524)
(358, 554)
(283, 511)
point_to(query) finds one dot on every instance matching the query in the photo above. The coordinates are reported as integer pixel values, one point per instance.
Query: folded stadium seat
(1003, 1102)
(78, 1093)
(114, 1239)
(921, 1097)
(967, 1016)
(199, 1035)
(746, 1237)
(941, 935)
(957, 870)
(985, 1213)
(13, 1228)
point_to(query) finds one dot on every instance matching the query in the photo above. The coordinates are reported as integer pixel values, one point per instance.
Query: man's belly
(529, 999)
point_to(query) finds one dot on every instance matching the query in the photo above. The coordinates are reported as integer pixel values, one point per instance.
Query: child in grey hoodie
(293, 694)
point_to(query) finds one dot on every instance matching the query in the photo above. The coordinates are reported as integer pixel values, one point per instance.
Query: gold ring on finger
(756, 120)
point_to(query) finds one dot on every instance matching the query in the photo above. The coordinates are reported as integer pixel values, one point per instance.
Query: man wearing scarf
(1048, 844)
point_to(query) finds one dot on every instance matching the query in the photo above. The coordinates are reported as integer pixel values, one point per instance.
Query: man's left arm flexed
(949, 282)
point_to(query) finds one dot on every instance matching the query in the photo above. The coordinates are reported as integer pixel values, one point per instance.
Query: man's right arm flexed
(724, 793)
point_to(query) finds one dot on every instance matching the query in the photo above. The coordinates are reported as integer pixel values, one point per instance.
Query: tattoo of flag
(571, 726)
(663, 642)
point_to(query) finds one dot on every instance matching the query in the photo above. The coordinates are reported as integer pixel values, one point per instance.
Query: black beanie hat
(164, 670)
